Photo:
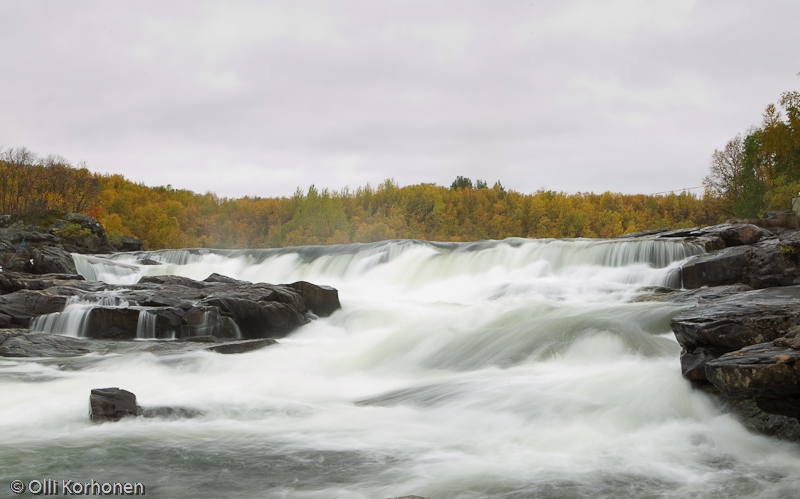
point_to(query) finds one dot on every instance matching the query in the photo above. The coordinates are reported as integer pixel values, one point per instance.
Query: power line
(677, 190)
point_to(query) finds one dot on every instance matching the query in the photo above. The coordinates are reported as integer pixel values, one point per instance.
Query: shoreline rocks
(163, 307)
(741, 339)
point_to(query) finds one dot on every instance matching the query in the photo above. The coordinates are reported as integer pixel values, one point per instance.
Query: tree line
(760, 170)
(753, 173)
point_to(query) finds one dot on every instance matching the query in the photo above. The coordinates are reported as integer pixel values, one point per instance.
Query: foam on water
(510, 369)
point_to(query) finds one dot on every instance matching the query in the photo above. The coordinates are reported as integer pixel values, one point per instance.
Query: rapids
(503, 369)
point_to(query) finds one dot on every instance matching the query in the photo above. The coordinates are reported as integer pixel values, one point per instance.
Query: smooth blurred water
(511, 369)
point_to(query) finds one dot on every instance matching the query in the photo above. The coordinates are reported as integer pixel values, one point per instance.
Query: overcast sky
(258, 98)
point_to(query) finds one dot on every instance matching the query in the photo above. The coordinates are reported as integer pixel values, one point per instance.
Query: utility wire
(677, 190)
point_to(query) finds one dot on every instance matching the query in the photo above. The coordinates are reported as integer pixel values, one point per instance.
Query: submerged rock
(113, 404)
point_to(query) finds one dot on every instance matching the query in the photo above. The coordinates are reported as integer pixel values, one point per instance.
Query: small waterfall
(95, 268)
(71, 322)
(231, 325)
(74, 319)
(146, 325)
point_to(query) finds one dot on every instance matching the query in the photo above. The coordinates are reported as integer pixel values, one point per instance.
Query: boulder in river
(321, 300)
(112, 404)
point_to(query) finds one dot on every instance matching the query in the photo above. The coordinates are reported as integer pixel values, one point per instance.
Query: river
(499, 369)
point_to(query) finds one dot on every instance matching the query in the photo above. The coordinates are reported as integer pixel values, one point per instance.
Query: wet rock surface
(741, 339)
(112, 404)
(176, 307)
(23, 343)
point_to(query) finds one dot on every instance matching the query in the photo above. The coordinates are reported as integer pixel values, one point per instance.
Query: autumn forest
(752, 174)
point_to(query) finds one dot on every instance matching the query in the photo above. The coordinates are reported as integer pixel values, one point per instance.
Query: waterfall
(74, 319)
(646, 262)
(146, 325)
(71, 322)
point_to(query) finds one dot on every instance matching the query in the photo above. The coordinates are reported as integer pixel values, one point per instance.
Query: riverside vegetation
(749, 176)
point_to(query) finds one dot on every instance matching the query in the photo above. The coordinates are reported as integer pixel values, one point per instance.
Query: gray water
(512, 369)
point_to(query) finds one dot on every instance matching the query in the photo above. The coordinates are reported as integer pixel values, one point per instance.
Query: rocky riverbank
(40, 290)
(159, 307)
(741, 339)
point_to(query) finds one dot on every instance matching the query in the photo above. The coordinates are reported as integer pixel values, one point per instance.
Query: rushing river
(510, 369)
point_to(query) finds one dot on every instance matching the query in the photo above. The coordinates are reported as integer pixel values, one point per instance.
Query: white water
(508, 369)
(75, 317)
(146, 325)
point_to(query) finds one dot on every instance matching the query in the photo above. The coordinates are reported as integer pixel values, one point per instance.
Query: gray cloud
(254, 98)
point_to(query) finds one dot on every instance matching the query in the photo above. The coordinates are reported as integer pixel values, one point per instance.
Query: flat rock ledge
(741, 338)
(218, 314)
(23, 343)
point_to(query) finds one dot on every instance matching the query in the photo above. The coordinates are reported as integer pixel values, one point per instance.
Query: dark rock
(201, 339)
(7, 221)
(694, 296)
(21, 306)
(693, 363)
(11, 239)
(52, 260)
(751, 416)
(147, 261)
(223, 279)
(728, 266)
(14, 281)
(21, 261)
(644, 233)
(258, 319)
(729, 234)
(172, 280)
(767, 373)
(242, 346)
(784, 406)
(321, 300)
(127, 243)
(25, 343)
(176, 295)
(112, 404)
(768, 263)
(112, 323)
(730, 322)
(87, 222)
(791, 340)
(202, 321)
(739, 320)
